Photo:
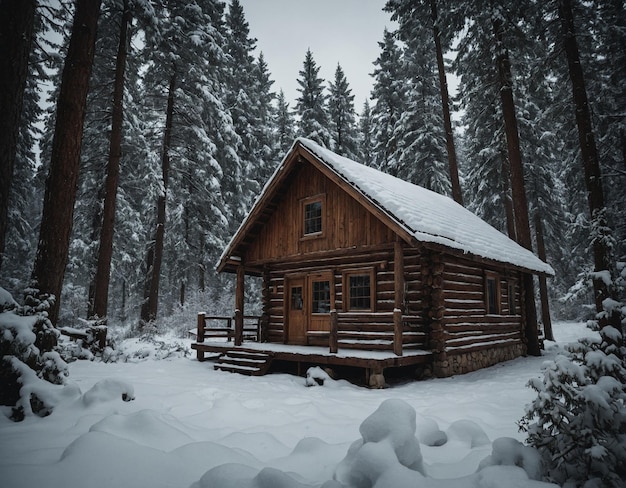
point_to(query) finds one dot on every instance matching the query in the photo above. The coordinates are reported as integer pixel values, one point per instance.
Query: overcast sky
(337, 31)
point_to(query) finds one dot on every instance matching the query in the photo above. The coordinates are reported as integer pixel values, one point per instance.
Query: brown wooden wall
(466, 324)
(346, 222)
(363, 329)
(353, 238)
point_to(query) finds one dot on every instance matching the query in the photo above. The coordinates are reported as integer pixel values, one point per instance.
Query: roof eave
(266, 194)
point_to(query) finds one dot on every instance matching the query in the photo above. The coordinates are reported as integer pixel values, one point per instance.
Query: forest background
(202, 129)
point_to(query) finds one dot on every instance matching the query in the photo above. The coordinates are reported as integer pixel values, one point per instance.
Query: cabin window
(492, 293)
(313, 216)
(359, 288)
(321, 297)
(511, 297)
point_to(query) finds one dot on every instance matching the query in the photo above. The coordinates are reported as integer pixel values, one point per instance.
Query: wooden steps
(244, 362)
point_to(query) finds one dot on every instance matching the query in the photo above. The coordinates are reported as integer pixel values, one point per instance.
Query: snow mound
(262, 445)
(467, 432)
(241, 476)
(387, 450)
(510, 452)
(146, 427)
(107, 390)
(429, 433)
(312, 458)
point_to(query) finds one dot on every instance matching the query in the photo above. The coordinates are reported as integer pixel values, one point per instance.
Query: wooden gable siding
(365, 330)
(467, 325)
(346, 223)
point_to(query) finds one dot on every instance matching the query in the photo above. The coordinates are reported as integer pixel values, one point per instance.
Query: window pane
(321, 297)
(511, 299)
(360, 292)
(296, 298)
(313, 218)
(491, 296)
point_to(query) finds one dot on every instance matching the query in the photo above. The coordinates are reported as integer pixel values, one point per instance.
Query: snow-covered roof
(423, 214)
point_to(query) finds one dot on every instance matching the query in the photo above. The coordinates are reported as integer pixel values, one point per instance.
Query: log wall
(367, 330)
(478, 339)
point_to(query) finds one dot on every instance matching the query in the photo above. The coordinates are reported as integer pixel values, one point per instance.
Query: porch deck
(370, 360)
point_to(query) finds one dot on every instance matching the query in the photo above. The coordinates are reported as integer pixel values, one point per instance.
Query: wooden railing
(382, 331)
(388, 331)
(251, 327)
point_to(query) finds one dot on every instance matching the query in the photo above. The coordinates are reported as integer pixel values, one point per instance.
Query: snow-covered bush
(578, 419)
(316, 376)
(89, 340)
(27, 355)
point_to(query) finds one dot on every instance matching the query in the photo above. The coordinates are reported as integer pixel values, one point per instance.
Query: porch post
(200, 336)
(334, 326)
(239, 297)
(398, 272)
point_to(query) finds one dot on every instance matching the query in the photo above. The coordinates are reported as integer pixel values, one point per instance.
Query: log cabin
(361, 268)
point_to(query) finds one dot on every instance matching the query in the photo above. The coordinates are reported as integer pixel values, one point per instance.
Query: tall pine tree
(342, 116)
(311, 104)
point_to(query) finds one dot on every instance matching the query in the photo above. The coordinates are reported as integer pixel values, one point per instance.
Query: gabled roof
(413, 212)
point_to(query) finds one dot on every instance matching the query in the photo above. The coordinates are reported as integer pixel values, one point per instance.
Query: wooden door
(320, 300)
(296, 315)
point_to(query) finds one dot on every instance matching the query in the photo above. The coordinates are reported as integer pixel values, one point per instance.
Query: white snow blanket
(189, 425)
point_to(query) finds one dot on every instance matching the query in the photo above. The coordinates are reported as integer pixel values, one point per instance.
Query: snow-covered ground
(192, 426)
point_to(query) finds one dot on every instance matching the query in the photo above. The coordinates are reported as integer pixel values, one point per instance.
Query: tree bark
(506, 196)
(591, 164)
(17, 19)
(543, 282)
(62, 182)
(520, 204)
(457, 195)
(105, 250)
(154, 255)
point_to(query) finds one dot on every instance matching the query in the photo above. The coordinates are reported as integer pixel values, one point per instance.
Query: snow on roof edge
(383, 189)
(279, 168)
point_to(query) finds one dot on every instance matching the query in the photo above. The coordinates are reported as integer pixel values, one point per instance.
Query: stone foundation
(466, 362)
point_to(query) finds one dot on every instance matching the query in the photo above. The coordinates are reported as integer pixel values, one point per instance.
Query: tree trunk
(105, 250)
(506, 196)
(591, 164)
(201, 282)
(155, 250)
(543, 282)
(17, 18)
(62, 182)
(445, 104)
(520, 204)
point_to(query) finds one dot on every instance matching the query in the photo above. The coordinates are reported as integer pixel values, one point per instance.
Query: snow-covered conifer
(342, 116)
(311, 106)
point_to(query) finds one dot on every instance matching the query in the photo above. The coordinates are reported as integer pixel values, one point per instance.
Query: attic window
(313, 216)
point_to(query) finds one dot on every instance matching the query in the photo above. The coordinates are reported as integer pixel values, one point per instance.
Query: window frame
(312, 291)
(511, 285)
(495, 277)
(346, 275)
(321, 198)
